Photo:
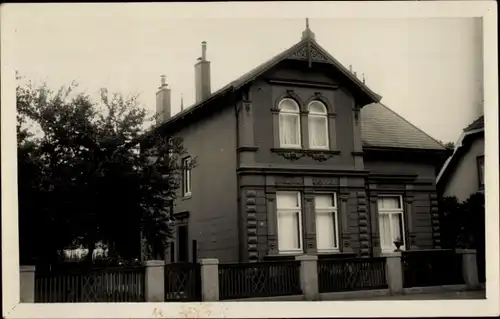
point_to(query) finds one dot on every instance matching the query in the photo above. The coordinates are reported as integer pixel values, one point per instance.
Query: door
(183, 244)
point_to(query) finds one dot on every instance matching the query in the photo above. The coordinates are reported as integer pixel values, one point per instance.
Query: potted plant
(398, 243)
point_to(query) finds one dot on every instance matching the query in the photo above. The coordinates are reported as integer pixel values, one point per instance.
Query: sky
(428, 70)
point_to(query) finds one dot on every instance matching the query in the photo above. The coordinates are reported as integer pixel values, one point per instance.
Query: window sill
(319, 155)
(329, 252)
(186, 196)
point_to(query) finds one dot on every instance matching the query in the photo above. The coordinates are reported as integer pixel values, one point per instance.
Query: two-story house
(298, 156)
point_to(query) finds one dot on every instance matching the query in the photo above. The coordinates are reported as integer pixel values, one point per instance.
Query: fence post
(155, 281)
(209, 279)
(469, 267)
(27, 284)
(309, 276)
(394, 272)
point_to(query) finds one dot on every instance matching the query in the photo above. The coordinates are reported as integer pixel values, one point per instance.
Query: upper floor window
(318, 125)
(186, 176)
(289, 123)
(391, 222)
(480, 170)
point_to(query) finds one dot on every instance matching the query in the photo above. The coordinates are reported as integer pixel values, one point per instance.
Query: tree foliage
(463, 223)
(83, 179)
(448, 145)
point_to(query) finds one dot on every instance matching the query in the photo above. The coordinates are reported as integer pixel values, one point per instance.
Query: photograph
(194, 159)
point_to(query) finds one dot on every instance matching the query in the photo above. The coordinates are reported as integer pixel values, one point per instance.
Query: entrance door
(183, 244)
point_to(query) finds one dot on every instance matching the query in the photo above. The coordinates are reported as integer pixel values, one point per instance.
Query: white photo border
(487, 10)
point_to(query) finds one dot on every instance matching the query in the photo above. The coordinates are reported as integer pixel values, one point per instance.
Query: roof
(308, 42)
(382, 127)
(476, 127)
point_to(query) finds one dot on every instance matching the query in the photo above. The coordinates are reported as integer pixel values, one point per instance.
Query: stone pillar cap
(466, 251)
(306, 257)
(27, 268)
(208, 261)
(391, 254)
(154, 263)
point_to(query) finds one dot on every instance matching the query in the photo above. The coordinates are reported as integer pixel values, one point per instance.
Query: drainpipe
(239, 219)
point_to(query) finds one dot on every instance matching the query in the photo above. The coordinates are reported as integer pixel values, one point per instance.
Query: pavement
(480, 294)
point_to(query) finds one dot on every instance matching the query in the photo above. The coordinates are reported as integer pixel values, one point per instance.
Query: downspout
(239, 220)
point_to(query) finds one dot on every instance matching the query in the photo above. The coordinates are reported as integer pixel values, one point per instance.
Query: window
(327, 231)
(480, 170)
(318, 125)
(186, 176)
(390, 210)
(289, 124)
(289, 222)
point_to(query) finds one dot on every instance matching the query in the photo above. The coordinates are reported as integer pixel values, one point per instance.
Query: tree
(448, 145)
(462, 223)
(83, 178)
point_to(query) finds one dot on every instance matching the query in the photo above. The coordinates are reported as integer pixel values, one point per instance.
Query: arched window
(318, 125)
(289, 123)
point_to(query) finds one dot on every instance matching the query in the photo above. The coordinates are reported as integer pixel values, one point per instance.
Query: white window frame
(291, 210)
(186, 176)
(322, 115)
(296, 114)
(334, 211)
(390, 212)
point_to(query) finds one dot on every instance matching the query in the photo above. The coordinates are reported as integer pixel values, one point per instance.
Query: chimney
(163, 109)
(202, 75)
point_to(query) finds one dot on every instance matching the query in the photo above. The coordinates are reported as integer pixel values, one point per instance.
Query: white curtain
(288, 231)
(386, 241)
(318, 131)
(388, 202)
(326, 238)
(324, 201)
(287, 200)
(289, 129)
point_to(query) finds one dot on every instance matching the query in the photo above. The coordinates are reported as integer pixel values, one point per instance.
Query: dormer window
(289, 124)
(318, 125)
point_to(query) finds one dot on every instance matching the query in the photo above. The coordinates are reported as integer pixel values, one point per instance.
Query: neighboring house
(298, 156)
(463, 173)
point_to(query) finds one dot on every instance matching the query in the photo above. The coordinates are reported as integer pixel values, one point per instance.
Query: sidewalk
(481, 294)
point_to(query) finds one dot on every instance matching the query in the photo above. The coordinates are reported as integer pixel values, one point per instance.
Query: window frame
(322, 115)
(390, 212)
(334, 211)
(294, 210)
(186, 177)
(480, 181)
(296, 114)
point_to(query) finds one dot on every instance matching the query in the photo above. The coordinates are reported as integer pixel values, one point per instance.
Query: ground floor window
(327, 230)
(289, 211)
(391, 222)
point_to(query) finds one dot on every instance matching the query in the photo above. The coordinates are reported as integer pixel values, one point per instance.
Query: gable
(309, 50)
(381, 127)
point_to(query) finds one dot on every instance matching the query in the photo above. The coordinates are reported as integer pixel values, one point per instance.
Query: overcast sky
(427, 70)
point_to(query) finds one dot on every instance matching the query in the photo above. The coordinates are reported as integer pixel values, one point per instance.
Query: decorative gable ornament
(309, 52)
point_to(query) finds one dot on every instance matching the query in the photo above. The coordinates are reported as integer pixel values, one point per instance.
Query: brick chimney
(202, 75)
(163, 108)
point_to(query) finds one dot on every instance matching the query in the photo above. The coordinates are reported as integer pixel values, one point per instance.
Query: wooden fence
(124, 284)
(259, 279)
(336, 275)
